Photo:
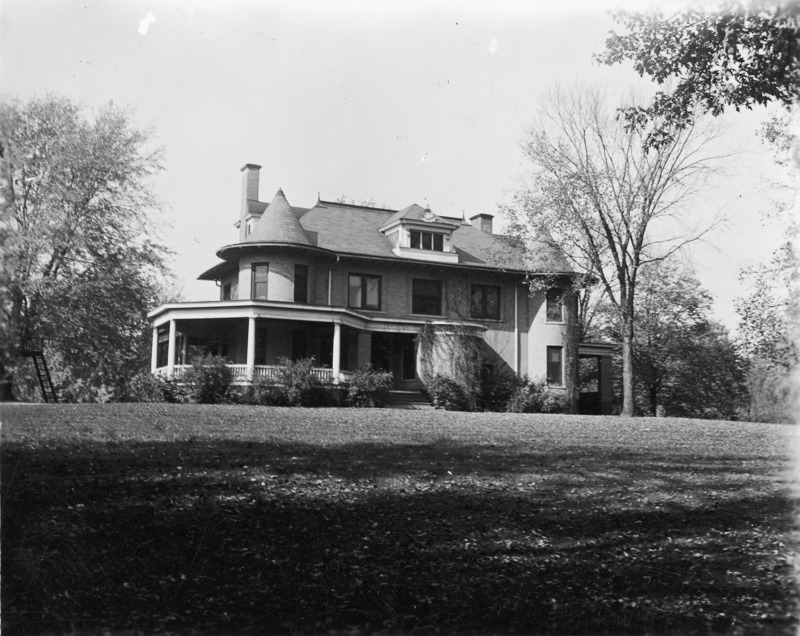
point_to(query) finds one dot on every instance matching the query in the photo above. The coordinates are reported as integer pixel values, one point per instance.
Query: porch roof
(232, 309)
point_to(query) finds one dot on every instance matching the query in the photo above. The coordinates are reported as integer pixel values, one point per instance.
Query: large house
(408, 291)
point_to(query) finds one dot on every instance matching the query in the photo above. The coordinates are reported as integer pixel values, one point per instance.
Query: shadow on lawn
(236, 537)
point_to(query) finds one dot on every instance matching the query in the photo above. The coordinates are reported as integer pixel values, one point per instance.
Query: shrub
(555, 402)
(297, 384)
(369, 387)
(496, 389)
(445, 393)
(209, 379)
(528, 397)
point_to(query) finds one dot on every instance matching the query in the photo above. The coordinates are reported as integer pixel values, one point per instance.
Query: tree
(739, 56)
(611, 202)
(79, 267)
(686, 364)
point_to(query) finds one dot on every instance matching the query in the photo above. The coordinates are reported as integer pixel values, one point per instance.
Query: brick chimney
(484, 222)
(249, 185)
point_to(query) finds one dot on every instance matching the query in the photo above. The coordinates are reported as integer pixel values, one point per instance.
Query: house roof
(354, 230)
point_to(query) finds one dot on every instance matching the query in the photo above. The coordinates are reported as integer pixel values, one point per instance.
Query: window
(364, 291)
(555, 305)
(554, 375)
(426, 297)
(427, 241)
(301, 283)
(226, 291)
(485, 302)
(249, 227)
(260, 271)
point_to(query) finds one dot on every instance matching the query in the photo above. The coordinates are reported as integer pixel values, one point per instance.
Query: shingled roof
(279, 224)
(354, 230)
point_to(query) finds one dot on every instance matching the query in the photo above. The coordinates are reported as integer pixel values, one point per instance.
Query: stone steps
(409, 400)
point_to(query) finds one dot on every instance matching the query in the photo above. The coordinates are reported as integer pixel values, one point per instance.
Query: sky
(390, 102)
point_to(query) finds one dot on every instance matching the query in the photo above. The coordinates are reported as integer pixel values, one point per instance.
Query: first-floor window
(260, 273)
(301, 283)
(426, 297)
(485, 302)
(364, 291)
(554, 366)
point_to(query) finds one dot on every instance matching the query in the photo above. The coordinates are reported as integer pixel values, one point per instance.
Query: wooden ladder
(43, 375)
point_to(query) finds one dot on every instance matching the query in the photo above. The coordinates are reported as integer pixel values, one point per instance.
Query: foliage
(527, 397)
(735, 55)
(202, 519)
(209, 378)
(533, 396)
(685, 363)
(496, 389)
(445, 393)
(772, 394)
(765, 325)
(610, 202)
(78, 270)
(555, 402)
(369, 387)
(298, 386)
(147, 387)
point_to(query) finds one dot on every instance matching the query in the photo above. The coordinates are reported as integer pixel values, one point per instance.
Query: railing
(323, 375)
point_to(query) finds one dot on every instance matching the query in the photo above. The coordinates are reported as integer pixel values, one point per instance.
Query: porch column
(251, 348)
(337, 351)
(171, 349)
(154, 351)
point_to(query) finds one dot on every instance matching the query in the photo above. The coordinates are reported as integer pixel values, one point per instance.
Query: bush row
(210, 381)
(504, 394)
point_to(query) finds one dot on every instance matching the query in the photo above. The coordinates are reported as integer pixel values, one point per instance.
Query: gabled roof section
(279, 224)
(415, 212)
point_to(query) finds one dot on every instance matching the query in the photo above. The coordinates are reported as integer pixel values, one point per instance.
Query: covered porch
(257, 337)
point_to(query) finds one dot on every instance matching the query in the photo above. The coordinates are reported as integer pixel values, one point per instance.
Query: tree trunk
(653, 399)
(627, 365)
(571, 352)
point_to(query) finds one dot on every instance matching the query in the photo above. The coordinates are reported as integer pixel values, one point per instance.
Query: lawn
(162, 519)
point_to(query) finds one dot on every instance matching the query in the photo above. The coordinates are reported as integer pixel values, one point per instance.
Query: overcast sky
(396, 102)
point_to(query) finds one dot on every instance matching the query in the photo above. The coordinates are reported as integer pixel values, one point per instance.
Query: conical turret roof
(279, 224)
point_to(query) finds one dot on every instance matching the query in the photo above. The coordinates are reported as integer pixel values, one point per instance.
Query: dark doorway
(396, 353)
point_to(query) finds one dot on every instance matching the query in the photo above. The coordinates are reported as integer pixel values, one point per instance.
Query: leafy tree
(686, 364)
(79, 268)
(609, 201)
(738, 55)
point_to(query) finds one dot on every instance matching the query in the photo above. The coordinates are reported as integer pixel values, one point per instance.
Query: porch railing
(261, 372)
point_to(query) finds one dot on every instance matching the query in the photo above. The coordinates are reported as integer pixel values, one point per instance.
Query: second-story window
(426, 297)
(226, 291)
(485, 302)
(555, 305)
(301, 283)
(364, 291)
(260, 272)
(427, 240)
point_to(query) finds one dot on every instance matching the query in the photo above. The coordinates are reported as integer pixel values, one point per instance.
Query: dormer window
(417, 233)
(433, 241)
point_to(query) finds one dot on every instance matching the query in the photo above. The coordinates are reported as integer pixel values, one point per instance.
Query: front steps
(408, 400)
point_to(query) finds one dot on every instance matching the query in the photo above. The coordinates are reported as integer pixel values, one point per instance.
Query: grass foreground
(184, 519)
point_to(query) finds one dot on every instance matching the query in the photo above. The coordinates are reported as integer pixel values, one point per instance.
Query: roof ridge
(355, 205)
